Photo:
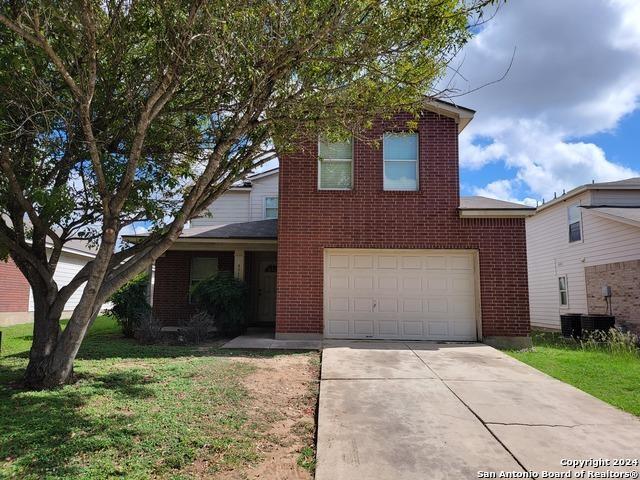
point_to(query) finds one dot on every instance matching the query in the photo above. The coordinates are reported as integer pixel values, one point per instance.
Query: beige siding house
(580, 243)
(255, 199)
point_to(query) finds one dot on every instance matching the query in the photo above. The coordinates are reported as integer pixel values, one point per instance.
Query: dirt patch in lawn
(283, 395)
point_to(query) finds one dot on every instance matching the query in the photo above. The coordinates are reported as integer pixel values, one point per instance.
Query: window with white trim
(271, 207)
(400, 155)
(335, 165)
(575, 223)
(201, 269)
(563, 292)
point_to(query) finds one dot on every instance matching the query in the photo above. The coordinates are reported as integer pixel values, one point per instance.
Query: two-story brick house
(372, 240)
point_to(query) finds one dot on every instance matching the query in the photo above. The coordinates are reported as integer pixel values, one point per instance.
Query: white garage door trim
(417, 289)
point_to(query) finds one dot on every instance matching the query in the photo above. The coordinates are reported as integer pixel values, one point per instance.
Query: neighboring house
(16, 301)
(372, 240)
(580, 242)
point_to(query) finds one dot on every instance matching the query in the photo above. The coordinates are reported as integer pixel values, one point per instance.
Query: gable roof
(462, 115)
(484, 207)
(477, 201)
(632, 183)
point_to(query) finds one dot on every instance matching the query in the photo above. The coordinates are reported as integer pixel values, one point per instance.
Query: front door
(267, 271)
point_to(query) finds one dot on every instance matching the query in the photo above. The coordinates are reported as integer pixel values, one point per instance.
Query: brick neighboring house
(16, 301)
(372, 240)
(580, 242)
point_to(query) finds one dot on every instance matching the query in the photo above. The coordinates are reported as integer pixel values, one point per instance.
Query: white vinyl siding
(271, 207)
(400, 154)
(236, 206)
(621, 198)
(335, 165)
(261, 189)
(231, 207)
(68, 266)
(550, 255)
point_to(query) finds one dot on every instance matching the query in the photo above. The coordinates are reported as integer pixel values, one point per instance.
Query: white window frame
(577, 205)
(566, 291)
(193, 280)
(385, 160)
(270, 208)
(320, 187)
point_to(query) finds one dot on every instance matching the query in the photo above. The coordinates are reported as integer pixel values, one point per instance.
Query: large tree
(117, 111)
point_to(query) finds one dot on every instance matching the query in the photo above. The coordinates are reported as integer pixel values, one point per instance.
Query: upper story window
(575, 223)
(271, 207)
(335, 165)
(400, 154)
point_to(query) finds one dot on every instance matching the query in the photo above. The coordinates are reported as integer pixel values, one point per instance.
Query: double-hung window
(575, 223)
(563, 292)
(201, 269)
(335, 165)
(271, 207)
(400, 154)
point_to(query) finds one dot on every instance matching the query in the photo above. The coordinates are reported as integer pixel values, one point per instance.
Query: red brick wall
(14, 294)
(368, 217)
(171, 287)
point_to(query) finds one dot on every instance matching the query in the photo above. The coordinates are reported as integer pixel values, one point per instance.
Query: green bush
(130, 306)
(224, 298)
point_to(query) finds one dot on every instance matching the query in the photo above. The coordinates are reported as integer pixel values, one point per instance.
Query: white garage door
(404, 294)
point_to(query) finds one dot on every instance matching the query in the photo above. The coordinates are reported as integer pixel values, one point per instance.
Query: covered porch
(249, 250)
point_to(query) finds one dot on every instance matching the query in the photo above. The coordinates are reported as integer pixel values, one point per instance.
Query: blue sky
(567, 110)
(621, 146)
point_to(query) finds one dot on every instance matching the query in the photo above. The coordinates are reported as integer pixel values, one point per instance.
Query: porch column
(238, 264)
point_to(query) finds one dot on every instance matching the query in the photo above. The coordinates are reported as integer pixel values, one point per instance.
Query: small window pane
(574, 214)
(563, 298)
(202, 267)
(400, 146)
(335, 174)
(271, 202)
(574, 232)
(562, 283)
(271, 213)
(400, 176)
(335, 150)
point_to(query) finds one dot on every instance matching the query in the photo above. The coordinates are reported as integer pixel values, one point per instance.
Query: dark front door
(267, 272)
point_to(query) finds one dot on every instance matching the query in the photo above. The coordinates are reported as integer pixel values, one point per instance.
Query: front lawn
(158, 411)
(614, 378)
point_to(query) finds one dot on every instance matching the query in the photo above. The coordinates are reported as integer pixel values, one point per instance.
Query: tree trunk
(46, 332)
(54, 367)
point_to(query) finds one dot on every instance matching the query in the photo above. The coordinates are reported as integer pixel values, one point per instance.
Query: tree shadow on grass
(102, 347)
(42, 432)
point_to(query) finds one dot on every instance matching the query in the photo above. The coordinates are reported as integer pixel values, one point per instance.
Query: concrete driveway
(397, 410)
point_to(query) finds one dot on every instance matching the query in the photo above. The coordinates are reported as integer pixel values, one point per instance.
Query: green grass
(134, 412)
(614, 378)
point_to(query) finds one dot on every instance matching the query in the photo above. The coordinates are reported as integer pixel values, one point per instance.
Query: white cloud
(504, 190)
(574, 74)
